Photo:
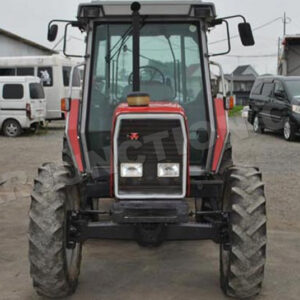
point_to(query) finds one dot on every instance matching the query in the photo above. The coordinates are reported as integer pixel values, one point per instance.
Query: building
(14, 45)
(289, 56)
(240, 83)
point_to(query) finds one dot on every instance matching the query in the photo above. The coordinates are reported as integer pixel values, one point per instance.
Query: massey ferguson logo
(133, 136)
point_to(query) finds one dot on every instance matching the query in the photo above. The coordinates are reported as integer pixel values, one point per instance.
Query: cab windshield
(170, 70)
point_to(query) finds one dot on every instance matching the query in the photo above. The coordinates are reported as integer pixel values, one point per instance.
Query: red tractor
(149, 135)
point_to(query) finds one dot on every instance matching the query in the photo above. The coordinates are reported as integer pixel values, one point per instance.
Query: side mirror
(52, 32)
(246, 34)
(65, 104)
(279, 95)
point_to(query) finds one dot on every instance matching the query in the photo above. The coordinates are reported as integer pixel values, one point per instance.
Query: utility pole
(284, 24)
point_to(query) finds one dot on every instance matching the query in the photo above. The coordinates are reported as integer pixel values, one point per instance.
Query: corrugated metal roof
(25, 41)
(231, 77)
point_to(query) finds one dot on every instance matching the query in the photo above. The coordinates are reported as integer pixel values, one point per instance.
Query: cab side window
(46, 75)
(257, 88)
(25, 71)
(267, 89)
(279, 91)
(13, 91)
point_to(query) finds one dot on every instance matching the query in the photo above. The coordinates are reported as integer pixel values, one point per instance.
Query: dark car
(275, 105)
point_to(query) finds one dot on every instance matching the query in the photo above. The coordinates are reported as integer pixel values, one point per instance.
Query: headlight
(131, 170)
(296, 108)
(168, 170)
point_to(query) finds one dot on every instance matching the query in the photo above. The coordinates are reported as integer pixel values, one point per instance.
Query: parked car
(275, 104)
(54, 73)
(22, 104)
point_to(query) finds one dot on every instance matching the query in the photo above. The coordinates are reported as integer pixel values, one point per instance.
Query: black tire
(242, 267)
(53, 268)
(289, 130)
(11, 128)
(257, 127)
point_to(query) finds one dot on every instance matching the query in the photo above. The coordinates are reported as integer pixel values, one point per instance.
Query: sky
(29, 19)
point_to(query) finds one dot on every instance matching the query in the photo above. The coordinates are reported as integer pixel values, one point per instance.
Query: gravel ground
(123, 270)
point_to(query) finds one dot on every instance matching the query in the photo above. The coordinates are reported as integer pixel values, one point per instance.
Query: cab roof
(194, 8)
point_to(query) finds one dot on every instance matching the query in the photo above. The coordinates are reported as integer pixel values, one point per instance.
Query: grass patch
(236, 111)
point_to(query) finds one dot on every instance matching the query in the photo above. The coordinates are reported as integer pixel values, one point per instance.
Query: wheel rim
(12, 129)
(256, 124)
(287, 130)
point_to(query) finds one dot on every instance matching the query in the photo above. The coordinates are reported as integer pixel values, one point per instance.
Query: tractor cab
(158, 48)
(159, 52)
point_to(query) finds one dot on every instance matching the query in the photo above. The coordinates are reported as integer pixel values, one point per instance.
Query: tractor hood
(153, 107)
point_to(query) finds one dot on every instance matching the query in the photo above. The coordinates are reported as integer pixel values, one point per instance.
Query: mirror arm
(73, 24)
(58, 21)
(229, 41)
(234, 17)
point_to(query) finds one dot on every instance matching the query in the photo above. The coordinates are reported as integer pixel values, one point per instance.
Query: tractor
(146, 152)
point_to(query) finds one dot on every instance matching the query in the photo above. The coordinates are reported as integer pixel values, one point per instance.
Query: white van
(22, 104)
(54, 72)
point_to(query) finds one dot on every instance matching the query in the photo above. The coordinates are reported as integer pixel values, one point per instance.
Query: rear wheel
(12, 128)
(257, 125)
(289, 131)
(54, 266)
(242, 266)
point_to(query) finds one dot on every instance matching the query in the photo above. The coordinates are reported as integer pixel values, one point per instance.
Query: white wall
(11, 47)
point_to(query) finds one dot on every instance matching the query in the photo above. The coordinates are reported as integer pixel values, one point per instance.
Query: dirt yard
(177, 270)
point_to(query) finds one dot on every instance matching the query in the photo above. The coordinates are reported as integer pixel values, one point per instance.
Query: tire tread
(247, 256)
(46, 233)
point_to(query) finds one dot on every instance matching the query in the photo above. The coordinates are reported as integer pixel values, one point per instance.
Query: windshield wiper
(109, 57)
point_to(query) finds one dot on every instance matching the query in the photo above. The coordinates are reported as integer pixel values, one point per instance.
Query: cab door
(265, 105)
(278, 106)
(37, 101)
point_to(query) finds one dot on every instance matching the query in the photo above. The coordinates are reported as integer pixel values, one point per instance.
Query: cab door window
(279, 92)
(267, 89)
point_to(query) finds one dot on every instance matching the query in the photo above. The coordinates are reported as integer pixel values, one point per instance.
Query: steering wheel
(153, 71)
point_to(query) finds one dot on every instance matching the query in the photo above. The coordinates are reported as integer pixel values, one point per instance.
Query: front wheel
(54, 266)
(12, 128)
(242, 265)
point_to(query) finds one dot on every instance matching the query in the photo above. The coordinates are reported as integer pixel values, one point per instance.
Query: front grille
(159, 141)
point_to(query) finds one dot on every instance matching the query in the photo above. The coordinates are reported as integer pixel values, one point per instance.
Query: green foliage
(236, 111)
